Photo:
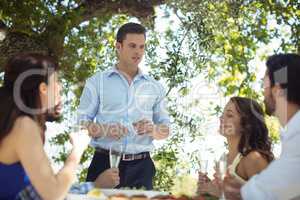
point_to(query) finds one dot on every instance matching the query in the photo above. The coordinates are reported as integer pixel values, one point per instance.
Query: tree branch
(51, 40)
(142, 9)
(59, 25)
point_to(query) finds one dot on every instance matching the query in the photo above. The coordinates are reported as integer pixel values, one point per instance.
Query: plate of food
(118, 194)
(94, 194)
(139, 194)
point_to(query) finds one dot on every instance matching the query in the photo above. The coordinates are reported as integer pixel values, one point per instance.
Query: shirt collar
(112, 71)
(292, 127)
(139, 75)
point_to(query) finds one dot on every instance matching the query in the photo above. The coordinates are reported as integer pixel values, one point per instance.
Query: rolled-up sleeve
(160, 112)
(89, 101)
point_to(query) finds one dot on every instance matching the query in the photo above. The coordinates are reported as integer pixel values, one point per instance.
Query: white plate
(108, 192)
(149, 194)
(83, 197)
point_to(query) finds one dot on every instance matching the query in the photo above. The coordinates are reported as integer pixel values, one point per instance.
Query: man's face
(269, 98)
(54, 114)
(132, 49)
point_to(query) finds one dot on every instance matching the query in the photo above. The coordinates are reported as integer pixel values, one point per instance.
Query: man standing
(281, 179)
(123, 106)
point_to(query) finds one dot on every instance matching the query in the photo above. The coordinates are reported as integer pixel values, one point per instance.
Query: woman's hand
(203, 182)
(80, 141)
(207, 186)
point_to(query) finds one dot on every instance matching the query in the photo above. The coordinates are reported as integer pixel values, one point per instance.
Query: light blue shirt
(108, 98)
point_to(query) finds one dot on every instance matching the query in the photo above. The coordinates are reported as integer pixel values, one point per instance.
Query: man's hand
(232, 188)
(115, 131)
(160, 131)
(94, 129)
(108, 179)
(157, 131)
(143, 126)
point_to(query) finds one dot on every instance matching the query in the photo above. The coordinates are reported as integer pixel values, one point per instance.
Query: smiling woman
(30, 90)
(249, 147)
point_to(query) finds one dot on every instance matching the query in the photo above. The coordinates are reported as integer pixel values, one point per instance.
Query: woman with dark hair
(249, 146)
(29, 91)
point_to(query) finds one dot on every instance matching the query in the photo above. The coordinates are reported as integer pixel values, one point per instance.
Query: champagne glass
(203, 165)
(115, 154)
(222, 168)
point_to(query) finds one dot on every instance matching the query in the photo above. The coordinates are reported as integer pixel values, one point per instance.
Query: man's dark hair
(284, 69)
(131, 27)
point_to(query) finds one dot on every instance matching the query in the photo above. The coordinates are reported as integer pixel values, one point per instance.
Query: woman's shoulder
(254, 160)
(25, 121)
(254, 157)
(24, 124)
(252, 163)
(23, 127)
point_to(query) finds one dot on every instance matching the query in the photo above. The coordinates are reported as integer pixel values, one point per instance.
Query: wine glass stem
(222, 196)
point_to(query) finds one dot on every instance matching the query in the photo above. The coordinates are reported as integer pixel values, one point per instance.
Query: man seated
(281, 179)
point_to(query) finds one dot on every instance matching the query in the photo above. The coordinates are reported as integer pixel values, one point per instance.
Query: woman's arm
(29, 148)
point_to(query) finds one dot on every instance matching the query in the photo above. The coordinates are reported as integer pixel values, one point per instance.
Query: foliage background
(220, 42)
